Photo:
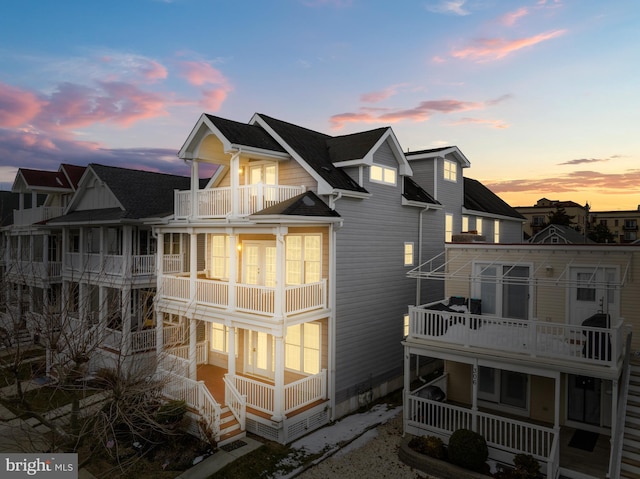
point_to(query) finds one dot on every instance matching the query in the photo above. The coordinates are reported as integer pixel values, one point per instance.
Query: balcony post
(195, 186)
(159, 335)
(234, 173)
(193, 363)
(278, 390)
(45, 255)
(278, 306)
(233, 271)
(231, 358)
(193, 265)
(125, 346)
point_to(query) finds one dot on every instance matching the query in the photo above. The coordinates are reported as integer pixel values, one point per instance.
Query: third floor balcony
(225, 202)
(34, 215)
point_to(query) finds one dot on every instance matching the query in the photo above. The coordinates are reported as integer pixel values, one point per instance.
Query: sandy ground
(374, 455)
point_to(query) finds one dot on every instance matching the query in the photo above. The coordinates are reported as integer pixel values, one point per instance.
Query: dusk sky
(542, 96)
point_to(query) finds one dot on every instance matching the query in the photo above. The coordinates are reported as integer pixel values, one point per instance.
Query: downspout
(331, 353)
(418, 299)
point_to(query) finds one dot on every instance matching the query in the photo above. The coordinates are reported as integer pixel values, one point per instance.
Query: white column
(407, 387)
(234, 254)
(231, 360)
(235, 184)
(474, 397)
(195, 186)
(193, 365)
(279, 307)
(278, 395)
(159, 335)
(556, 413)
(125, 347)
(193, 265)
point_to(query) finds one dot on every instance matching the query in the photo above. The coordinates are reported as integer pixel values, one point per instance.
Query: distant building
(536, 216)
(623, 224)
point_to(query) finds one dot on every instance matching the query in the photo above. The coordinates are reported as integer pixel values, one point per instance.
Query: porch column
(193, 265)
(193, 363)
(125, 346)
(406, 389)
(159, 335)
(556, 417)
(278, 394)
(231, 359)
(614, 406)
(233, 271)
(127, 252)
(195, 186)
(234, 173)
(45, 256)
(278, 305)
(159, 260)
(474, 395)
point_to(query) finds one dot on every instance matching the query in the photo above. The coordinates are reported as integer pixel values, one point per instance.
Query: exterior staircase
(229, 427)
(630, 463)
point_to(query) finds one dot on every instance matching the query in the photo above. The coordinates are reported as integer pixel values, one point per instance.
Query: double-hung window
(302, 347)
(382, 174)
(303, 259)
(450, 170)
(219, 256)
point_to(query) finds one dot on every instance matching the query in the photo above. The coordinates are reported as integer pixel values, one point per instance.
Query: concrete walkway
(219, 459)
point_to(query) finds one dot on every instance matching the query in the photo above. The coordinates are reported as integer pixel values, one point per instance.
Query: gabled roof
(353, 146)
(305, 204)
(478, 197)
(565, 234)
(440, 152)
(313, 148)
(73, 173)
(414, 192)
(64, 180)
(141, 194)
(245, 134)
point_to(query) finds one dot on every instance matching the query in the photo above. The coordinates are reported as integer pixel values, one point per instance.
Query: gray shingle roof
(353, 146)
(305, 204)
(478, 197)
(414, 192)
(245, 134)
(313, 147)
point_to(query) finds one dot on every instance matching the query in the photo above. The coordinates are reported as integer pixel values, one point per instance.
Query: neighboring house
(537, 216)
(282, 286)
(536, 343)
(107, 262)
(32, 253)
(560, 234)
(622, 223)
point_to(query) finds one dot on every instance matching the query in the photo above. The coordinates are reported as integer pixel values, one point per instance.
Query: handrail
(236, 402)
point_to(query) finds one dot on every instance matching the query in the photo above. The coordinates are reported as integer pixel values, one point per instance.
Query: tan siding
(459, 385)
(542, 398)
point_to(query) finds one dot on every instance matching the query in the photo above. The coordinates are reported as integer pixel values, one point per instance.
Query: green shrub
(468, 449)
(528, 466)
(431, 446)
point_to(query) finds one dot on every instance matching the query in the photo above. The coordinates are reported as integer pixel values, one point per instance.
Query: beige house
(536, 341)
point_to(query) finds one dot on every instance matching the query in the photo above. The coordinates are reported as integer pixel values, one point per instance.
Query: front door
(260, 358)
(583, 399)
(259, 260)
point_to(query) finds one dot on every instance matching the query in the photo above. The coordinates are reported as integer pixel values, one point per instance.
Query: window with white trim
(448, 227)
(465, 224)
(382, 174)
(303, 258)
(450, 170)
(219, 256)
(408, 254)
(504, 289)
(405, 325)
(496, 231)
(302, 347)
(479, 225)
(220, 339)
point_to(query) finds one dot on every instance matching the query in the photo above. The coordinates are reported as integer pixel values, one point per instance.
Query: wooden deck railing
(305, 391)
(248, 298)
(218, 202)
(236, 402)
(602, 346)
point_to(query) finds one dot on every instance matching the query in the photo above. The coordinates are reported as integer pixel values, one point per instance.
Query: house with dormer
(282, 287)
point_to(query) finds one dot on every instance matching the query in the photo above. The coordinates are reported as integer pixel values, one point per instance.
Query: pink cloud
(422, 112)
(377, 96)
(509, 19)
(74, 105)
(153, 71)
(212, 99)
(201, 73)
(487, 49)
(17, 107)
(499, 124)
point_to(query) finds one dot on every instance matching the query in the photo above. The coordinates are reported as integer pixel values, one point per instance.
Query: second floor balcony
(35, 215)
(483, 334)
(119, 265)
(246, 298)
(223, 202)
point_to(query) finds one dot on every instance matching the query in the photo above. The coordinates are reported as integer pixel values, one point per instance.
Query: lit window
(465, 224)
(496, 231)
(450, 170)
(382, 174)
(302, 348)
(219, 256)
(220, 339)
(408, 254)
(479, 225)
(448, 227)
(303, 259)
(405, 325)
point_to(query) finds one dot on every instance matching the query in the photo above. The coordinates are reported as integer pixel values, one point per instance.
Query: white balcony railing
(172, 263)
(601, 346)
(218, 202)
(110, 264)
(248, 298)
(35, 215)
(38, 269)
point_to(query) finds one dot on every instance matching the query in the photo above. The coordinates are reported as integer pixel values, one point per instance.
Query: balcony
(21, 270)
(220, 202)
(246, 298)
(139, 265)
(536, 339)
(35, 215)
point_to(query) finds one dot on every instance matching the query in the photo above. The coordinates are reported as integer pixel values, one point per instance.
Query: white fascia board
(75, 199)
(366, 161)
(403, 165)
(259, 153)
(348, 193)
(191, 146)
(297, 220)
(323, 186)
(484, 214)
(420, 204)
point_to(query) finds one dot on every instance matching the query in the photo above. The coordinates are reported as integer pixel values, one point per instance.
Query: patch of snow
(358, 443)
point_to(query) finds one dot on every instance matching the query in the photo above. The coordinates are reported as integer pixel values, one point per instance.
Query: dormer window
(382, 174)
(450, 170)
